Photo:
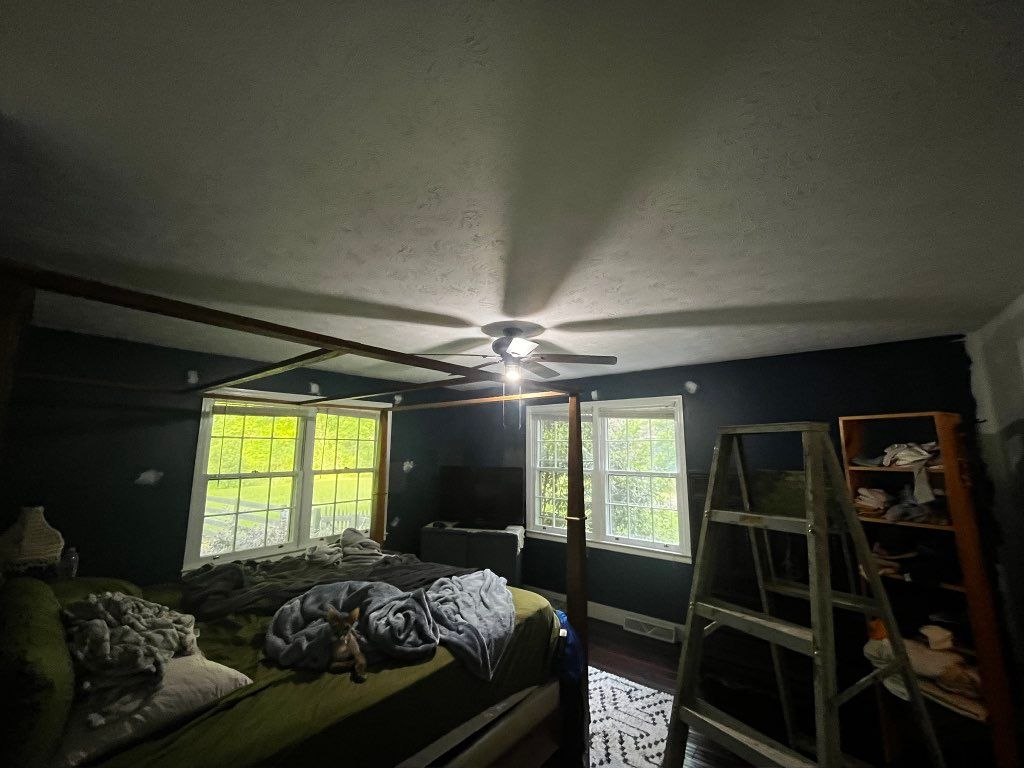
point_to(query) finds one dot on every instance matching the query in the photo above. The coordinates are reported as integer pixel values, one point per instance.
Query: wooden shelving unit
(976, 590)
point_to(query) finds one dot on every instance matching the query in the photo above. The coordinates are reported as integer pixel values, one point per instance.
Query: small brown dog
(346, 654)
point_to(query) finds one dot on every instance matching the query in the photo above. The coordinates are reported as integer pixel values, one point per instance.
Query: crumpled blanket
(476, 617)
(214, 591)
(472, 615)
(119, 645)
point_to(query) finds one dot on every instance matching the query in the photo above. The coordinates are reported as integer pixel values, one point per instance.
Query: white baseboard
(605, 612)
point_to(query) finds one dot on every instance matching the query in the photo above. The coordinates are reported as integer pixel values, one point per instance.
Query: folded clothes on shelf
(939, 638)
(873, 499)
(904, 454)
(915, 456)
(942, 675)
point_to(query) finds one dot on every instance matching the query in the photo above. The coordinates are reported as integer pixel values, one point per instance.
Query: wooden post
(15, 312)
(576, 532)
(981, 608)
(379, 522)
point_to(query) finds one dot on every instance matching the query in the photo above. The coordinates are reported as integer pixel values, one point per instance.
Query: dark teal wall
(77, 450)
(930, 374)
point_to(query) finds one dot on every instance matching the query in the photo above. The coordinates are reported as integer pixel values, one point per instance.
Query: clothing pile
(917, 456)
(943, 675)
(876, 502)
(872, 501)
(120, 645)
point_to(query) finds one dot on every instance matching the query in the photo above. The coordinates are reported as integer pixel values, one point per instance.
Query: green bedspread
(288, 717)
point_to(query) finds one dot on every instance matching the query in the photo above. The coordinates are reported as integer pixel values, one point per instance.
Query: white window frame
(599, 536)
(302, 489)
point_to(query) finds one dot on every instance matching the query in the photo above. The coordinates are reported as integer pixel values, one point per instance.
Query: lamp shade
(31, 542)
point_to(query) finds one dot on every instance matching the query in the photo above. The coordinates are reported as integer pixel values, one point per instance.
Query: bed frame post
(576, 532)
(15, 312)
(378, 523)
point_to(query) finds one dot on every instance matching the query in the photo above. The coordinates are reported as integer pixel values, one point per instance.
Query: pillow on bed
(37, 680)
(191, 684)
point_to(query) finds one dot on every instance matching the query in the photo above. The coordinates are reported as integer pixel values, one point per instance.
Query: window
(634, 475)
(273, 479)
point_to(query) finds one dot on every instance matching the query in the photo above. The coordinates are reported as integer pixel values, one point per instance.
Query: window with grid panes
(278, 478)
(634, 474)
(551, 471)
(344, 459)
(250, 483)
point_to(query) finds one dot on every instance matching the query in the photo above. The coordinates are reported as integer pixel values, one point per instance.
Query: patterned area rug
(628, 722)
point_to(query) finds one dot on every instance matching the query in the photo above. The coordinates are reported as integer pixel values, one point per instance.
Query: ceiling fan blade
(456, 347)
(541, 370)
(586, 359)
(455, 354)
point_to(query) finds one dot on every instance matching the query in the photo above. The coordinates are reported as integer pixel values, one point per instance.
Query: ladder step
(764, 429)
(751, 520)
(784, 633)
(845, 600)
(753, 746)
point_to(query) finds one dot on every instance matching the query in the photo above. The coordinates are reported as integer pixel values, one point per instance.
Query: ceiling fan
(517, 353)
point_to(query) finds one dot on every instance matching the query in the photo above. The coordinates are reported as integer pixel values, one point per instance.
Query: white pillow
(190, 685)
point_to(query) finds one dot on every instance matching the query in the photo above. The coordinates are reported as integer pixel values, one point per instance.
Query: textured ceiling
(666, 182)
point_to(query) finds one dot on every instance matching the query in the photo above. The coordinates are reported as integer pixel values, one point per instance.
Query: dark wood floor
(652, 663)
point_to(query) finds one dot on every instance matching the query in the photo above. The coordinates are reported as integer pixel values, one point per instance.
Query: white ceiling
(666, 182)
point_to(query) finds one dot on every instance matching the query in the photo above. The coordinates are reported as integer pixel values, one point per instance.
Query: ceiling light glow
(512, 372)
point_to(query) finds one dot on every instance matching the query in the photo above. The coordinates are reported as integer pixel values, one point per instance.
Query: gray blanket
(214, 591)
(120, 645)
(472, 615)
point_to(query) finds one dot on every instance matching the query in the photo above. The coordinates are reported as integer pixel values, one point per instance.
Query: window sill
(276, 553)
(628, 549)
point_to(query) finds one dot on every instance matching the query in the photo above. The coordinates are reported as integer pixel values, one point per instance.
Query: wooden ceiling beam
(271, 400)
(408, 388)
(270, 369)
(93, 290)
(478, 401)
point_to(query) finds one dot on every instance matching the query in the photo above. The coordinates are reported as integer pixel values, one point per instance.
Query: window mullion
(303, 510)
(597, 479)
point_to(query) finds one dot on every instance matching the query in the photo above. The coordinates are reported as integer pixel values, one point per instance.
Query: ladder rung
(789, 426)
(784, 633)
(877, 674)
(844, 600)
(741, 739)
(751, 520)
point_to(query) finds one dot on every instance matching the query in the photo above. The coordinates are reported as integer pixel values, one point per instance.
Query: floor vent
(650, 628)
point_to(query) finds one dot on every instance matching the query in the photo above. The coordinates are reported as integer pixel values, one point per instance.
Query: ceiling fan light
(520, 347)
(513, 372)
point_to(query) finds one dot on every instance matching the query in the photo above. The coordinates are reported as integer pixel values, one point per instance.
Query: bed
(419, 714)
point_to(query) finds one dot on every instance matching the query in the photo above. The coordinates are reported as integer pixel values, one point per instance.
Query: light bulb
(512, 372)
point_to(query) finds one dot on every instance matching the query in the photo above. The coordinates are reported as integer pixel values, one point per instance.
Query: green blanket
(288, 717)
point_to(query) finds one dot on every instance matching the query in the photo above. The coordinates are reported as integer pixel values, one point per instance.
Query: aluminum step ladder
(706, 613)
